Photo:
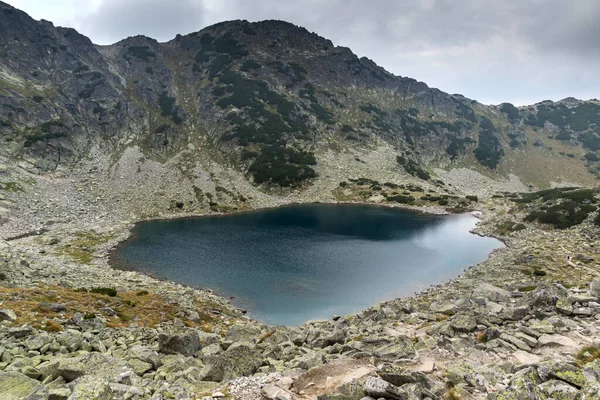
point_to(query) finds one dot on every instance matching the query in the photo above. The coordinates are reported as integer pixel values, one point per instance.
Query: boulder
(91, 388)
(545, 295)
(491, 292)
(240, 359)
(562, 371)
(243, 333)
(464, 323)
(16, 386)
(378, 388)
(179, 340)
(556, 389)
(398, 375)
(7, 314)
(403, 349)
(310, 360)
(595, 288)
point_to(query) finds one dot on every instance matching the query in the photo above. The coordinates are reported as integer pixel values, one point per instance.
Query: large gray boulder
(378, 388)
(16, 386)
(179, 340)
(491, 292)
(7, 314)
(545, 295)
(595, 288)
(240, 359)
(91, 388)
(398, 375)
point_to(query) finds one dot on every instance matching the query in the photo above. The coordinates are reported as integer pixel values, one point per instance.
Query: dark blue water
(292, 264)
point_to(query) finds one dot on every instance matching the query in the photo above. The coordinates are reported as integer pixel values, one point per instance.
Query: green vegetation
(457, 146)
(590, 140)
(141, 52)
(413, 168)
(168, 107)
(13, 187)
(560, 207)
(222, 51)
(578, 118)
(48, 130)
(282, 165)
(563, 215)
(510, 111)
(250, 65)
(112, 292)
(587, 354)
(402, 199)
(489, 150)
(322, 113)
(38, 99)
(472, 198)
(592, 157)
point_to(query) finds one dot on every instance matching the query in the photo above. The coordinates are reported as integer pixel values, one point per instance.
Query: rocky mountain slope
(245, 115)
(267, 101)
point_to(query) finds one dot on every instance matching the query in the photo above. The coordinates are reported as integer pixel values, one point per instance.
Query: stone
(179, 340)
(556, 340)
(491, 292)
(7, 314)
(272, 392)
(139, 367)
(404, 349)
(446, 308)
(70, 369)
(91, 388)
(545, 295)
(464, 323)
(556, 389)
(16, 386)
(243, 333)
(62, 393)
(564, 306)
(514, 313)
(310, 360)
(146, 355)
(377, 388)
(240, 359)
(562, 371)
(398, 375)
(595, 288)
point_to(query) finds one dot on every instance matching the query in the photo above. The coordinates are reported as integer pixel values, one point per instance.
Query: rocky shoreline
(491, 333)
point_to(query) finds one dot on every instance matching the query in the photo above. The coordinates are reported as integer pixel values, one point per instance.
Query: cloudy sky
(520, 51)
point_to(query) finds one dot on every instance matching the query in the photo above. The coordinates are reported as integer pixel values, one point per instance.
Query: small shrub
(401, 199)
(38, 99)
(481, 337)
(53, 326)
(525, 289)
(592, 157)
(472, 198)
(539, 272)
(89, 316)
(443, 202)
(104, 290)
(3, 276)
(142, 52)
(142, 293)
(587, 354)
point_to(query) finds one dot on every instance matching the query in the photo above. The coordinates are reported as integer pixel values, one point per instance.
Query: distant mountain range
(267, 100)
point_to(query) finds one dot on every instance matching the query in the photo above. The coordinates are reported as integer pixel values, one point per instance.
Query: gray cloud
(114, 20)
(521, 51)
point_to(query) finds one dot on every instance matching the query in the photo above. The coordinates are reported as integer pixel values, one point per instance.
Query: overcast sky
(519, 51)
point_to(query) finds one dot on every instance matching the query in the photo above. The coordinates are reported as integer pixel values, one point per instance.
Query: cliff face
(266, 99)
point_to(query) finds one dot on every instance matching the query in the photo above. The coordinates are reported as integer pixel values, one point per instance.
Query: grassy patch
(81, 248)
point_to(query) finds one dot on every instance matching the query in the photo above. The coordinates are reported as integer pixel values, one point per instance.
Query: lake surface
(292, 264)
